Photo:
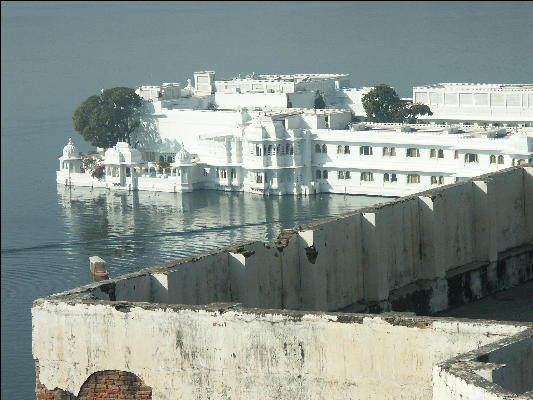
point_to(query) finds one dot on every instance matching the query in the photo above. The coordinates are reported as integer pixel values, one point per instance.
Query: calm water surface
(56, 54)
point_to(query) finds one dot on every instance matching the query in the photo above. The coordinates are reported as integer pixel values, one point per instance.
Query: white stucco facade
(477, 102)
(261, 134)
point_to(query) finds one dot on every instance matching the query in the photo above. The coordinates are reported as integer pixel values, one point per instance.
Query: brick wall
(102, 385)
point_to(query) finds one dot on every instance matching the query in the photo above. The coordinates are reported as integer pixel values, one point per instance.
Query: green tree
(382, 104)
(409, 113)
(113, 116)
(320, 103)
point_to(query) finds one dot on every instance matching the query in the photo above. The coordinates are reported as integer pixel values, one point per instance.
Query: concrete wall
(221, 351)
(500, 370)
(422, 253)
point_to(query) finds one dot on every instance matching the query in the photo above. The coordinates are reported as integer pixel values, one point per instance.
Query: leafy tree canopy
(382, 104)
(113, 116)
(320, 103)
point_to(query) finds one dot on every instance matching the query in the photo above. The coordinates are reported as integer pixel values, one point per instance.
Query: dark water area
(56, 54)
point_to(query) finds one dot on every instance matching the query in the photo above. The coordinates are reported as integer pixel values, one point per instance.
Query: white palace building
(262, 134)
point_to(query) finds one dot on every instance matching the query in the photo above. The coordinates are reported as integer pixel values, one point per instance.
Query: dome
(182, 156)
(70, 150)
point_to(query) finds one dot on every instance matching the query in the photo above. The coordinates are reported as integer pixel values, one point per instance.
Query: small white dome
(70, 150)
(183, 155)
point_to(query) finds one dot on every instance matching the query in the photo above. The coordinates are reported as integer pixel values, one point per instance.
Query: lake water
(56, 54)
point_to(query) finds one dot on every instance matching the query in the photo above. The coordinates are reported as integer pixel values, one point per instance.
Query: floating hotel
(262, 134)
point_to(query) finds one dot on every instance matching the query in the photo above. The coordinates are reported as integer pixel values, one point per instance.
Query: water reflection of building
(212, 218)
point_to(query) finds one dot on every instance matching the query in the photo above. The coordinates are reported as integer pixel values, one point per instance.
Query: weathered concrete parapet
(433, 250)
(216, 325)
(224, 351)
(500, 370)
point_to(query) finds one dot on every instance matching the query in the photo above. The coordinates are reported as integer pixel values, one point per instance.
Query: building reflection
(132, 230)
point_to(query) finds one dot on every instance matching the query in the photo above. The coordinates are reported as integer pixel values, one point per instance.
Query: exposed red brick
(101, 385)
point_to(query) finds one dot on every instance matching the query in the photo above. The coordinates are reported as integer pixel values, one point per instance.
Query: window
(441, 153)
(500, 159)
(389, 151)
(269, 151)
(413, 178)
(340, 149)
(324, 148)
(346, 149)
(233, 173)
(287, 148)
(456, 154)
(278, 149)
(456, 179)
(224, 173)
(432, 153)
(291, 150)
(386, 177)
(441, 180)
(413, 152)
(493, 159)
(340, 175)
(258, 150)
(259, 178)
(433, 180)
(521, 162)
(367, 176)
(318, 174)
(325, 174)
(365, 150)
(393, 178)
(471, 158)
(317, 148)
(347, 175)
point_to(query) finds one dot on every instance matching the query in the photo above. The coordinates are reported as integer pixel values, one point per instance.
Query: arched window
(393, 151)
(340, 175)
(500, 160)
(324, 148)
(318, 174)
(432, 154)
(367, 176)
(441, 153)
(317, 148)
(441, 180)
(433, 180)
(346, 149)
(413, 178)
(325, 174)
(386, 152)
(347, 175)
(386, 177)
(365, 150)
(471, 158)
(413, 152)
(493, 159)
(340, 149)
(278, 149)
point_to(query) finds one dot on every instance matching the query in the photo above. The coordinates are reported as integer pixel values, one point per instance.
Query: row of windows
(272, 150)
(415, 152)
(369, 177)
(222, 173)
